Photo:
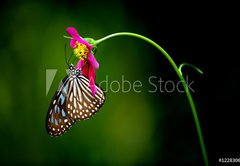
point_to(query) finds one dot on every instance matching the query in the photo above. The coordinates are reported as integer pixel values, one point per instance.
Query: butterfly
(72, 102)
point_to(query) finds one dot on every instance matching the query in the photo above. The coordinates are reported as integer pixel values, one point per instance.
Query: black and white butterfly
(72, 102)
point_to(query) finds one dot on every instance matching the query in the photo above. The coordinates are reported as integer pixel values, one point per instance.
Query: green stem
(189, 96)
(190, 65)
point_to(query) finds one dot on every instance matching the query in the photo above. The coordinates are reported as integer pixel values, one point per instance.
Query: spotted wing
(58, 121)
(72, 102)
(84, 103)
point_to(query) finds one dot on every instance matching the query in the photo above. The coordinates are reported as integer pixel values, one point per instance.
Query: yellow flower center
(81, 51)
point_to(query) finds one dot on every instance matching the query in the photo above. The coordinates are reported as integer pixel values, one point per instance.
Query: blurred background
(131, 128)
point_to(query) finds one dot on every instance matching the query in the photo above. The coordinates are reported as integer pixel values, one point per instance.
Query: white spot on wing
(75, 102)
(74, 88)
(80, 106)
(62, 99)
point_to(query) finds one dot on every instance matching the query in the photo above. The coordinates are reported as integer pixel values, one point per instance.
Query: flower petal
(85, 70)
(92, 76)
(73, 43)
(72, 32)
(91, 72)
(92, 86)
(84, 65)
(81, 40)
(80, 64)
(93, 60)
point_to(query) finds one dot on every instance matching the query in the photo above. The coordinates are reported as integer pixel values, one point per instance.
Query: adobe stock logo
(169, 86)
(152, 84)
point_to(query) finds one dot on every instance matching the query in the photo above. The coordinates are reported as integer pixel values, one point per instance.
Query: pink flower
(87, 62)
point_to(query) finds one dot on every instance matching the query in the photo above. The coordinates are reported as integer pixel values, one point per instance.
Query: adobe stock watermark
(155, 84)
(152, 84)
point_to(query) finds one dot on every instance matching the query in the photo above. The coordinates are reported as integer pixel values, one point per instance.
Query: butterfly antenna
(74, 59)
(70, 57)
(67, 61)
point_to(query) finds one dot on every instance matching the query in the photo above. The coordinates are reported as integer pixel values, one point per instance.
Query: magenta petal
(80, 64)
(90, 47)
(84, 70)
(91, 72)
(73, 43)
(72, 32)
(92, 86)
(93, 60)
(81, 40)
(92, 75)
(76, 37)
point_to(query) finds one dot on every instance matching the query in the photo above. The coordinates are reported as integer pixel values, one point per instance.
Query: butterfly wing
(72, 102)
(85, 104)
(58, 121)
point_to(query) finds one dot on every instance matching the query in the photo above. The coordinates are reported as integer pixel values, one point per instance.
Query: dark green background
(131, 128)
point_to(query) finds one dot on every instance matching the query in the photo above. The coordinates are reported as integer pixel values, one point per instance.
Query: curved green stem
(189, 96)
(190, 65)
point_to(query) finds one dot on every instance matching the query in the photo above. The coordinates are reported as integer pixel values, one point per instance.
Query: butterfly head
(73, 70)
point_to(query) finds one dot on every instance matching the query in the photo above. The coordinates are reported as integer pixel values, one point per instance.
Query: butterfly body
(72, 102)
